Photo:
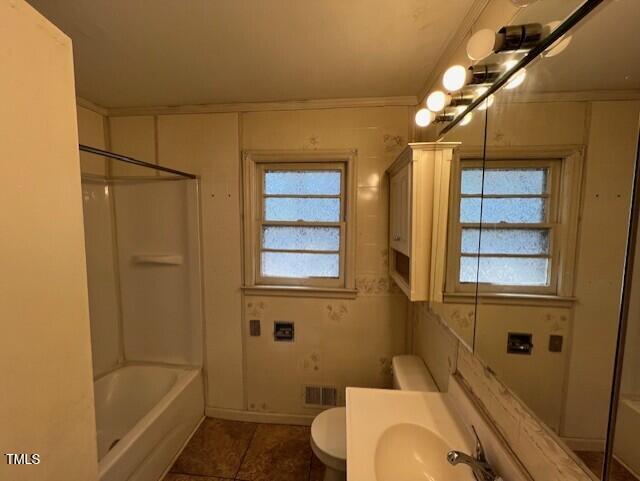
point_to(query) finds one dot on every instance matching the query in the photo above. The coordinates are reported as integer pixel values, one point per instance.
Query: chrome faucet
(482, 471)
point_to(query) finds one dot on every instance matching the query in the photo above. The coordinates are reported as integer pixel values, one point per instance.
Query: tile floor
(594, 461)
(223, 450)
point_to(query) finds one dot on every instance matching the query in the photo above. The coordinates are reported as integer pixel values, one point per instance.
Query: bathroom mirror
(556, 183)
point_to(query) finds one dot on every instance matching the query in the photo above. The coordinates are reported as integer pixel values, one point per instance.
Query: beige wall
(340, 342)
(611, 144)
(47, 401)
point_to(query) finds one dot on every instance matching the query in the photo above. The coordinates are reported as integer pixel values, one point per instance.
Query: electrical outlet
(283, 331)
(254, 327)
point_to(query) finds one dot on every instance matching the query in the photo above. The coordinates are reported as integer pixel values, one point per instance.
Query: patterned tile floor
(223, 450)
(594, 461)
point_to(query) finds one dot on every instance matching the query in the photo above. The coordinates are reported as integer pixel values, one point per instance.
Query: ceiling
(179, 52)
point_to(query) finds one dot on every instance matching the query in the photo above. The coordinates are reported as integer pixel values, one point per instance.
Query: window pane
(506, 241)
(515, 210)
(504, 181)
(295, 208)
(302, 182)
(471, 181)
(506, 271)
(515, 181)
(285, 264)
(301, 238)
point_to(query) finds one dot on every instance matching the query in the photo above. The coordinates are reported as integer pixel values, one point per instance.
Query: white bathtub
(626, 448)
(144, 415)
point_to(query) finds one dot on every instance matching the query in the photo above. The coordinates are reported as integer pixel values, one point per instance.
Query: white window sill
(301, 291)
(518, 299)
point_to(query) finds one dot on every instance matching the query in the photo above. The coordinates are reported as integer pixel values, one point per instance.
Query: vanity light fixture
(518, 78)
(454, 78)
(438, 100)
(463, 98)
(560, 45)
(481, 44)
(488, 102)
(514, 38)
(424, 117)
(466, 119)
(447, 115)
(484, 74)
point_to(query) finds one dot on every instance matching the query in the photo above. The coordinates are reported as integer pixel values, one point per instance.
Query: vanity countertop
(403, 435)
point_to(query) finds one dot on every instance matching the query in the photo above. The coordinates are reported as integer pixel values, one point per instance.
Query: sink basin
(409, 452)
(404, 436)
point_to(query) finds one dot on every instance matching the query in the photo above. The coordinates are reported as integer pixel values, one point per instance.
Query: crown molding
(87, 104)
(402, 101)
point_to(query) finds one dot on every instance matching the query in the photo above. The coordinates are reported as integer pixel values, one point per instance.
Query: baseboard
(626, 466)
(584, 444)
(259, 417)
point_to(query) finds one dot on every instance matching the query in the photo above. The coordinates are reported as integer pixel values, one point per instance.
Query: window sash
(551, 199)
(261, 223)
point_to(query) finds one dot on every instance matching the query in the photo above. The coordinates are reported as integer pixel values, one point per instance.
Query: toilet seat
(329, 438)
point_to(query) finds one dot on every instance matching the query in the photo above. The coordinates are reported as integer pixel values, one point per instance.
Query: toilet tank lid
(412, 375)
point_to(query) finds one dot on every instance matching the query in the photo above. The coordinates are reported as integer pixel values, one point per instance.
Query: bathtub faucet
(482, 471)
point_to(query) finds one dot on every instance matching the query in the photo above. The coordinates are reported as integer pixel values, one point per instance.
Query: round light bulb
(465, 120)
(454, 78)
(438, 100)
(518, 78)
(481, 44)
(486, 103)
(424, 117)
(559, 45)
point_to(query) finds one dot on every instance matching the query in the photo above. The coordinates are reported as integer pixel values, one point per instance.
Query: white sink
(403, 436)
(409, 452)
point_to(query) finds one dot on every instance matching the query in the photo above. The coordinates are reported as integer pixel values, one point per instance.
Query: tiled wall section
(338, 342)
(536, 446)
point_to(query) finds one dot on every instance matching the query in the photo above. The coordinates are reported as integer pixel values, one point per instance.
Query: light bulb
(559, 45)
(481, 44)
(454, 78)
(437, 100)
(424, 117)
(465, 120)
(486, 103)
(518, 78)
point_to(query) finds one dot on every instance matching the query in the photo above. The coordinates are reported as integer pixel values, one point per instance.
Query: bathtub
(144, 415)
(626, 448)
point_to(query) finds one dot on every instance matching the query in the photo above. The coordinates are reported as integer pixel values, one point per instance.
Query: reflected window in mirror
(510, 228)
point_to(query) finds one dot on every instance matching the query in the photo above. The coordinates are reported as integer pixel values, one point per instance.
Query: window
(301, 214)
(512, 225)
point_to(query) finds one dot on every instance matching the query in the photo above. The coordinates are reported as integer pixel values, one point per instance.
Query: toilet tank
(411, 374)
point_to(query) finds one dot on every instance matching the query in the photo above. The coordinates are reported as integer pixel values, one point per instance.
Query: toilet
(329, 428)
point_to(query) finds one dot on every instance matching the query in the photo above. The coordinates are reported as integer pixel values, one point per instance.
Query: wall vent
(320, 396)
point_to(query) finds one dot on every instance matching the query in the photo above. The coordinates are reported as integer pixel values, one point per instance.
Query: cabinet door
(400, 210)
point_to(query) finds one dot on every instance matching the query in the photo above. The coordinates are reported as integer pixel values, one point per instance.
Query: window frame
(256, 163)
(563, 191)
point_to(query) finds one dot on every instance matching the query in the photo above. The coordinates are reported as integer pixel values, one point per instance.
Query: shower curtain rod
(131, 160)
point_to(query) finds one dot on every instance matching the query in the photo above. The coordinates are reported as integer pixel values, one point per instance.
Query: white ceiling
(179, 52)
